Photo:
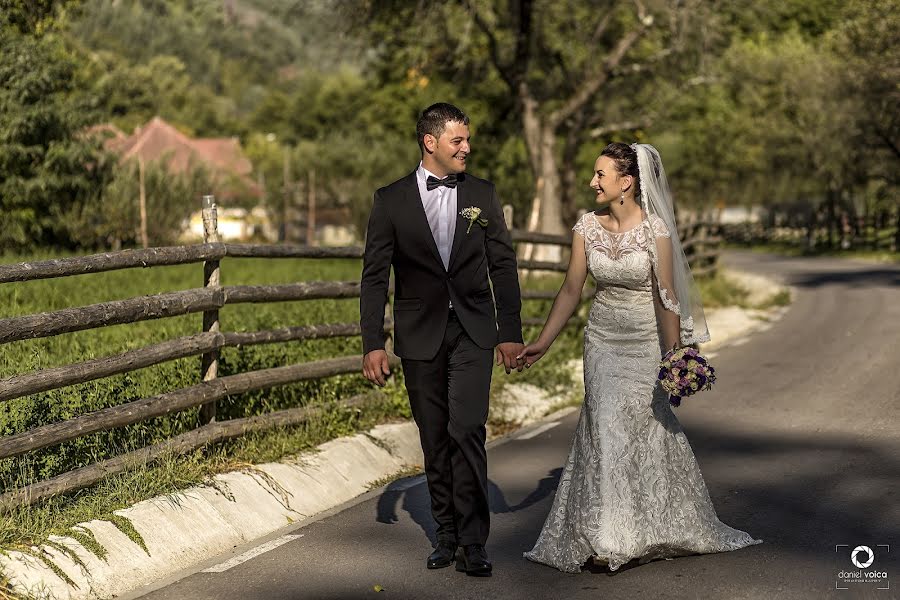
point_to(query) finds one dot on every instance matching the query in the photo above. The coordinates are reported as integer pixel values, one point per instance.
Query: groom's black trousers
(449, 399)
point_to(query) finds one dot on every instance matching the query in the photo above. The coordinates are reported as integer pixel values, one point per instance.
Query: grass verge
(785, 249)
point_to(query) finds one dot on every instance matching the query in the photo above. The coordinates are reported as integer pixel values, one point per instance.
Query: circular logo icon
(862, 556)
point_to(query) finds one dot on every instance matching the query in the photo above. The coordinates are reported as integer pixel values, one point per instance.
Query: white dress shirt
(440, 210)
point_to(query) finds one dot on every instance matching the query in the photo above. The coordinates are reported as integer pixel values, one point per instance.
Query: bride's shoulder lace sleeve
(659, 227)
(581, 226)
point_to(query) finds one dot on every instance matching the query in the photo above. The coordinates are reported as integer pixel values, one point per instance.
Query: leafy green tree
(34, 16)
(45, 165)
(129, 95)
(866, 41)
(766, 128)
(564, 77)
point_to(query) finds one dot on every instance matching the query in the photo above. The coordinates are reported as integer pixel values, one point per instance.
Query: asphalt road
(799, 444)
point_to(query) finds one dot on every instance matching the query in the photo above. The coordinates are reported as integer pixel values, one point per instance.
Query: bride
(631, 487)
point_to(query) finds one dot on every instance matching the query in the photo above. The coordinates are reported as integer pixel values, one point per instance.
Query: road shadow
(801, 494)
(865, 278)
(412, 495)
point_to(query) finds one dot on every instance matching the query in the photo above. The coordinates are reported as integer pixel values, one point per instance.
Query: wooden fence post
(389, 318)
(389, 338)
(209, 362)
(508, 215)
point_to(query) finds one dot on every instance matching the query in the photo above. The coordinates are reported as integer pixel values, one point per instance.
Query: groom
(444, 234)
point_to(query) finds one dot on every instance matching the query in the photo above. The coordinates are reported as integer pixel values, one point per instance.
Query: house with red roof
(159, 141)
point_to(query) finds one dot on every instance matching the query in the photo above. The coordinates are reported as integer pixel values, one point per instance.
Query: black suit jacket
(398, 234)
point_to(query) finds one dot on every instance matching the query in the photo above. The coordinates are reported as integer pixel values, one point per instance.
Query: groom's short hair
(435, 118)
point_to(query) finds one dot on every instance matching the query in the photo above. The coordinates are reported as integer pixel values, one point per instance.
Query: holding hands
(532, 353)
(508, 356)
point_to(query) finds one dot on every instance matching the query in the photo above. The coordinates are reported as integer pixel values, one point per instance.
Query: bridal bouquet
(683, 372)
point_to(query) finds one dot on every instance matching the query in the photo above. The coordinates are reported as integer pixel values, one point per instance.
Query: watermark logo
(870, 573)
(862, 557)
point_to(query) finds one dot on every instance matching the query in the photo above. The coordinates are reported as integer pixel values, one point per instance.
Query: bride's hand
(532, 353)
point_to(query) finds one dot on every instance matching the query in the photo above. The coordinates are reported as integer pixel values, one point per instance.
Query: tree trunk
(551, 207)
(546, 208)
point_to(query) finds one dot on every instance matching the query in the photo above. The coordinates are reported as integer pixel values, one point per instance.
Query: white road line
(252, 553)
(538, 430)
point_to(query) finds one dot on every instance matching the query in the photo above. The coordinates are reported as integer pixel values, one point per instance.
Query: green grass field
(52, 294)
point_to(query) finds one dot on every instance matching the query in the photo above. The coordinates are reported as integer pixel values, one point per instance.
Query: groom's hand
(375, 367)
(506, 356)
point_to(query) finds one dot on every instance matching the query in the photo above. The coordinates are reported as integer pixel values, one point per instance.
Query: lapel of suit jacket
(417, 210)
(462, 198)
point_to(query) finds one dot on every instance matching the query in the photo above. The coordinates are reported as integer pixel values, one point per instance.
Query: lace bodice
(619, 259)
(616, 245)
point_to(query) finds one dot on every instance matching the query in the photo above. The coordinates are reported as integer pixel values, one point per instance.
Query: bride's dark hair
(625, 159)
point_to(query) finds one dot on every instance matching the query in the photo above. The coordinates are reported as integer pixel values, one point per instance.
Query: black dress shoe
(442, 556)
(474, 561)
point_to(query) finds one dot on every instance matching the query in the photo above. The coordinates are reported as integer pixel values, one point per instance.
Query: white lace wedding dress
(631, 487)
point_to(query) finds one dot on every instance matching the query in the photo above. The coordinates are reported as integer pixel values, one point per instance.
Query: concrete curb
(193, 526)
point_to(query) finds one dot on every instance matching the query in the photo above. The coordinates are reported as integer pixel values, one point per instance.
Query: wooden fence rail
(165, 256)
(169, 304)
(58, 377)
(183, 443)
(174, 401)
(207, 344)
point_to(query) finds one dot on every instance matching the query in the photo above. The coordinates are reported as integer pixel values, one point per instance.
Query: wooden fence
(210, 387)
(869, 233)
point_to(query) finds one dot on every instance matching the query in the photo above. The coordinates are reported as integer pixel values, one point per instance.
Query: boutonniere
(471, 214)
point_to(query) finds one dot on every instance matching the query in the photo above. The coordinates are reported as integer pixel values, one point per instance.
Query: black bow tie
(433, 182)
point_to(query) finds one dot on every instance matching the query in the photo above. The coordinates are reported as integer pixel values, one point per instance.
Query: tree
(45, 165)
(570, 73)
(867, 42)
(34, 16)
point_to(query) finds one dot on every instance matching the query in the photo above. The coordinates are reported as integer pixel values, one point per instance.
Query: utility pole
(286, 195)
(311, 210)
(143, 202)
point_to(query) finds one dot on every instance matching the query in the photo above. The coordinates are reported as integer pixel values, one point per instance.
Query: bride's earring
(622, 199)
